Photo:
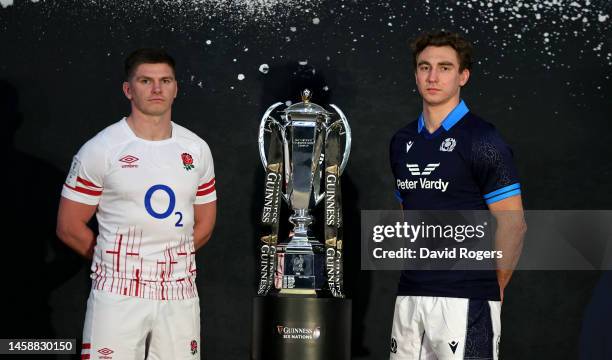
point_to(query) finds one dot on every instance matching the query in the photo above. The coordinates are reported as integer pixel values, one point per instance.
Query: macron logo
(415, 170)
(453, 346)
(409, 145)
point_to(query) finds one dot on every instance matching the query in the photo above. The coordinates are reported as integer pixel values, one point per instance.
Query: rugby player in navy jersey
(450, 159)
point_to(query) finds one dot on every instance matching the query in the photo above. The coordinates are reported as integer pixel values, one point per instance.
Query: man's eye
(144, 81)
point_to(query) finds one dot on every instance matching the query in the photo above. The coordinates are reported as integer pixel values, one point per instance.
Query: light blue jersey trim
(451, 119)
(502, 190)
(503, 196)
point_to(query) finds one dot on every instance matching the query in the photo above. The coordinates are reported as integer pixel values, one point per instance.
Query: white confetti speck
(326, 88)
(240, 77)
(6, 3)
(200, 84)
(316, 21)
(303, 62)
(602, 18)
(288, 102)
(264, 68)
(208, 42)
(293, 29)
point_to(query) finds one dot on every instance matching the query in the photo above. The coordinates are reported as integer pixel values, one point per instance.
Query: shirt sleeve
(206, 189)
(85, 180)
(494, 167)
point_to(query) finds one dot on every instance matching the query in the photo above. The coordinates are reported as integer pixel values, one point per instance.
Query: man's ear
(127, 91)
(464, 77)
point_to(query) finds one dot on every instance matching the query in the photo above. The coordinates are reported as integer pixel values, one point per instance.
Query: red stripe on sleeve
(205, 191)
(84, 190)
(87, 183)
(211, 182)
(86, 345)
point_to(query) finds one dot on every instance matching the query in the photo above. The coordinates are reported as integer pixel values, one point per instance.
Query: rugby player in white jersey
(151, 185)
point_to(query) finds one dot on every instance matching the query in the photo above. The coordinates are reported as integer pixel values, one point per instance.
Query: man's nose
(432, 76)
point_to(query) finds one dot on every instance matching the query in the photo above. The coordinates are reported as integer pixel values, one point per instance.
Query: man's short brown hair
(444, 38)
(146, 56)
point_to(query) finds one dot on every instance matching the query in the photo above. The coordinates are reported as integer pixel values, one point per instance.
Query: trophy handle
(262, 129)
(265, 119)
(347, 143)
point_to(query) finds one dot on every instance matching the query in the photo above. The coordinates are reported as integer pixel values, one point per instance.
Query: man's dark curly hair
(444, 38)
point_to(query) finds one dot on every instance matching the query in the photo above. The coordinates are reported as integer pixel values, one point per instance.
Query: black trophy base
(301, 328)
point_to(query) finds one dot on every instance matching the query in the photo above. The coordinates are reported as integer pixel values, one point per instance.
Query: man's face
(151, 89)
(437, 75)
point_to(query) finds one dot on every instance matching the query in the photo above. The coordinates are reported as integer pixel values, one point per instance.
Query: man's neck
(434, 115)
(152, 128)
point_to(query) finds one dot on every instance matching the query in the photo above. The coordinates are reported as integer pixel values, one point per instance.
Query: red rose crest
(187, 161)
(194, 347)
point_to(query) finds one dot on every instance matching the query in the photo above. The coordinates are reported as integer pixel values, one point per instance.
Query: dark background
(542, 76)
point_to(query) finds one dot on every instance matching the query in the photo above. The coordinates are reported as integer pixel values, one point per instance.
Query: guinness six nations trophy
(301, 312)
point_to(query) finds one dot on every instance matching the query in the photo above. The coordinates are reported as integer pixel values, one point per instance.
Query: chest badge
(187, 161)
(448, 145)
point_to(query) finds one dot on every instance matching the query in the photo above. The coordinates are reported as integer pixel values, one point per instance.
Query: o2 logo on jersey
(171, 204)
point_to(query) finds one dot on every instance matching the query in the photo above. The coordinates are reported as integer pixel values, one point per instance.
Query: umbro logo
(453, 345)
(129, 160)
(415, 170)
(105, 353)
(409, 145)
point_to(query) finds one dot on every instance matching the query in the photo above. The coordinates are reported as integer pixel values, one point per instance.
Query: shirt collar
(451, 119)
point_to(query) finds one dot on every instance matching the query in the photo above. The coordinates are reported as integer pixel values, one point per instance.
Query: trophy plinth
(301, 328)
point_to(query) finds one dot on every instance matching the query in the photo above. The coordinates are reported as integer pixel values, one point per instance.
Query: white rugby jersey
(145, 192)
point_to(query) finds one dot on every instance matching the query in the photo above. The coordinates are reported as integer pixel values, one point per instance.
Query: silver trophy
(302, 264)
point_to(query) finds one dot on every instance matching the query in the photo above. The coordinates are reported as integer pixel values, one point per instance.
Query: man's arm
(72, 229)
(511, 228)
(205, 216)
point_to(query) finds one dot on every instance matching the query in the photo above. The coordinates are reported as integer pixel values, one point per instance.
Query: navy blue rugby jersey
(463, 165)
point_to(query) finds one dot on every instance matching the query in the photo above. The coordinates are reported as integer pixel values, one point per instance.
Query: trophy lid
(306, 107)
